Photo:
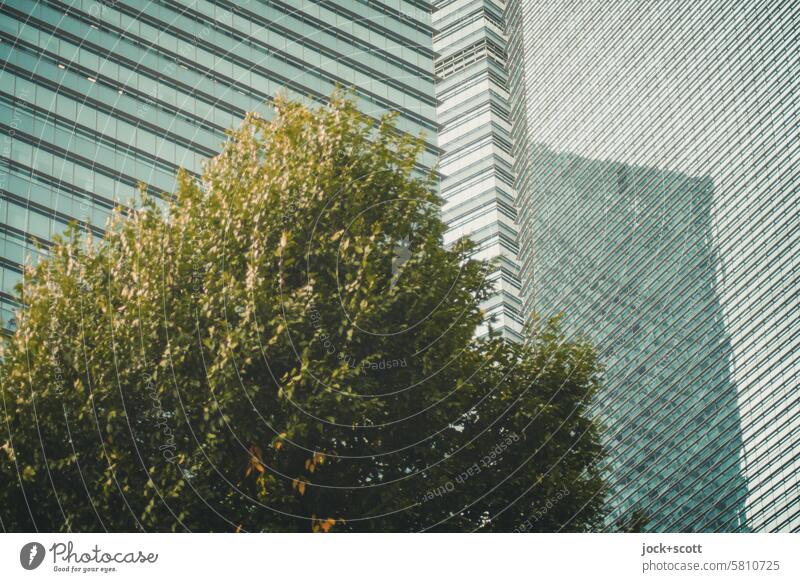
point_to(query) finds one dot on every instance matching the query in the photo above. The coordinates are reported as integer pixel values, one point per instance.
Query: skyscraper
(656, 151)
(96, 96)
(476, 165)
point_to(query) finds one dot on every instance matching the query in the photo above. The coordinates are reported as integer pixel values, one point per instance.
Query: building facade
(476, 165)
(656, 152)
(97, 96)
(627, 254)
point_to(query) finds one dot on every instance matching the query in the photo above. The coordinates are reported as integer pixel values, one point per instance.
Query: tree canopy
(251, 355)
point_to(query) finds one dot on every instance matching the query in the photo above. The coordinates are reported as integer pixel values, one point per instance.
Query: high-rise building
(98, 95)
(656, 151)
(476, 165)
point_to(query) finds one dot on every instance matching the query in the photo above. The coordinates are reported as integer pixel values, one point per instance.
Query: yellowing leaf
(256, 461)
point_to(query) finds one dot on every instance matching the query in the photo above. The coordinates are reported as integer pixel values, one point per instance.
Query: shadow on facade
(628, 254)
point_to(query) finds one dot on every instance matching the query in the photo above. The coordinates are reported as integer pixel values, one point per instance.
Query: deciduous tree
(250, 355)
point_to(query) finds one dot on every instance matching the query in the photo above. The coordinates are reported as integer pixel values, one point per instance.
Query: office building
(97, 96)
(656, 151)
(476, 166)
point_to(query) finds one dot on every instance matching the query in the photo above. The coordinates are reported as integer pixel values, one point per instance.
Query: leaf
(256, 461)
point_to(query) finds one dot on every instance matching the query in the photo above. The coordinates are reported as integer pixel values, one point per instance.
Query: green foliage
(245, 359)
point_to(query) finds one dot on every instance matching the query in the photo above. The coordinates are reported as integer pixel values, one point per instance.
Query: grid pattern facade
(626, 253)
(656, 158)
(97, 96)
(476, 165)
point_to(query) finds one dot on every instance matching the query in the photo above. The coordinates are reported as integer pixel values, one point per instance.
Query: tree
(250, 355)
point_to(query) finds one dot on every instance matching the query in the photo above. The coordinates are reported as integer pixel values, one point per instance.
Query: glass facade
(97, 96)
(627, 254)
(656, 158)
(477, 181)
